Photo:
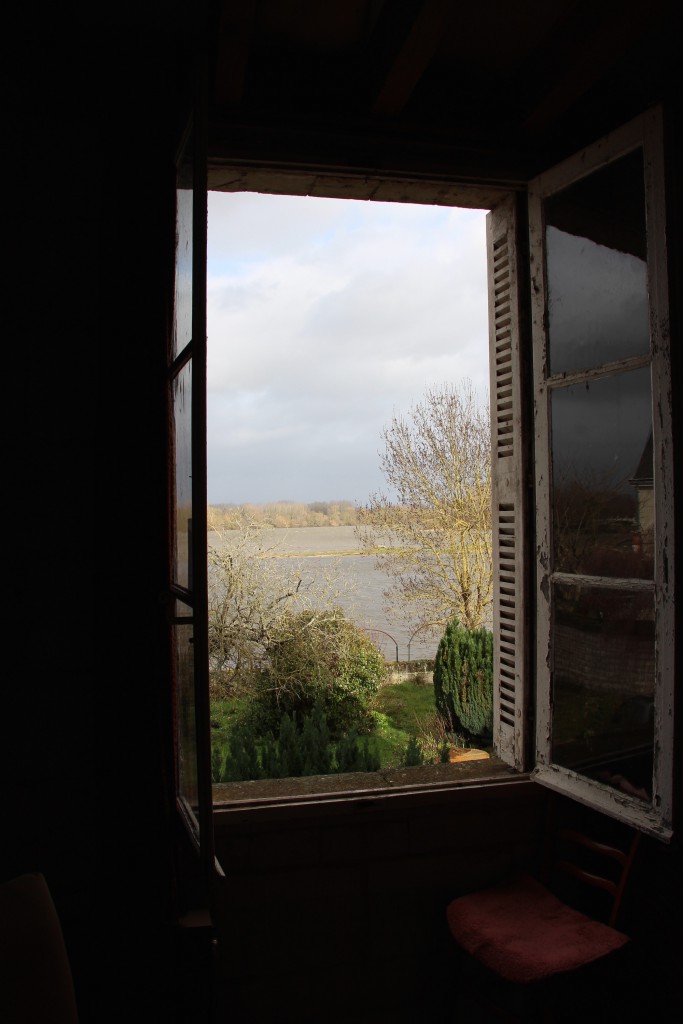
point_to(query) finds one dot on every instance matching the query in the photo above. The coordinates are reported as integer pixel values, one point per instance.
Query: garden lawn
(409, 706)
(401, 711)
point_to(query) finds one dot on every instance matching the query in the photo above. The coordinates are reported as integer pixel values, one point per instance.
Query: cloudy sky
(325, 317)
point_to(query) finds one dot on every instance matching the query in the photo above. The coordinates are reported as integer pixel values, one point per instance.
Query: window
(581, 433)
(187, 587)
(326, 317)
(602, 441)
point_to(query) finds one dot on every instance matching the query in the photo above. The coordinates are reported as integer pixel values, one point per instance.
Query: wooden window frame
(516, 314)
(643, 133)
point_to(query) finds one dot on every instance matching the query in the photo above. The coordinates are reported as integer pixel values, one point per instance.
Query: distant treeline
(283, 514)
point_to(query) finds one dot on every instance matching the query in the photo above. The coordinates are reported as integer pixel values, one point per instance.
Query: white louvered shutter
(510, 621)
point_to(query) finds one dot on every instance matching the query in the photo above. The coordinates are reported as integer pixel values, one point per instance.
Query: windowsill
(268, 793)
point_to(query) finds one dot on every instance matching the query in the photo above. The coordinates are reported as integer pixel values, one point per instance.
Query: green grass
(406, 710)
(401, 711)
(388, 742)
(406, 705)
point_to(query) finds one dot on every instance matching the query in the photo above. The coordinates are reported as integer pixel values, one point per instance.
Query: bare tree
(433, 535)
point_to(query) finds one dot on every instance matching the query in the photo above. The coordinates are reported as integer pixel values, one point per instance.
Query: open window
(581, 432)
(603, 472)
(186, 403)
(363, 316)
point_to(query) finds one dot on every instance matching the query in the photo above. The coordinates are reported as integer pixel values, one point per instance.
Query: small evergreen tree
(356, 756)
(270, 758)
(463, 679)
(371, 759)
(348, 753)
(242, 761)
(413, 756)
(291, 763)
(315, 743)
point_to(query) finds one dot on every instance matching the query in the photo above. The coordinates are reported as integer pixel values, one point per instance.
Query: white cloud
(325, 317)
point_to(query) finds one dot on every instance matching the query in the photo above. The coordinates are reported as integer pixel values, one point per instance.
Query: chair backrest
(35, 975)
(592, 860)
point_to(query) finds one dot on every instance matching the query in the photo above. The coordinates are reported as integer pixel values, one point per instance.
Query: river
(329, 552)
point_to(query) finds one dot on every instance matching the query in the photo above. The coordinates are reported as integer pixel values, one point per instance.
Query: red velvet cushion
(524, 933)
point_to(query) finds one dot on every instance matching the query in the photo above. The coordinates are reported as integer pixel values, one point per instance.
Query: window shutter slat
(508, 493)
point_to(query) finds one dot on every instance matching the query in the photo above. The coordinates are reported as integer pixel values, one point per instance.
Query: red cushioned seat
(520, 930)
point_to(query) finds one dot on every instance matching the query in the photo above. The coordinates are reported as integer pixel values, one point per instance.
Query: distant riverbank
(285, 515)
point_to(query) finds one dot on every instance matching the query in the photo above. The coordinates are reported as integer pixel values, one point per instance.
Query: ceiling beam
(603, 36)
(232, 51)
(412, 57)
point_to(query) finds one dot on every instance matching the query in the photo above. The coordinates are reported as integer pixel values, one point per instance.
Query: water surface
(322, 551)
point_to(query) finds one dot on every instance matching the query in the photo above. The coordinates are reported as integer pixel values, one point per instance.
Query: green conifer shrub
(413, 756)
(354, 755)
(242, 760)
(463, 679)
(315, 743)
(289, 746)
(270, 758)
(302, 747)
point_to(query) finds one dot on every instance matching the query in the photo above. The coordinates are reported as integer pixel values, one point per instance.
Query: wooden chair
(525, 932)
(35, 976)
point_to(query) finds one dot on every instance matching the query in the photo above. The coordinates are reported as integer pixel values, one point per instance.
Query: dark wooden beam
(232, 52)
(581, 53)
(324, 147)
(412, 58)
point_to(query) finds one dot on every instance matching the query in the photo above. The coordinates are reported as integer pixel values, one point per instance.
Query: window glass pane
(602, 488)
(603, 685)
(182, 326)
(182, 418)
(596, 267)
(186, 723)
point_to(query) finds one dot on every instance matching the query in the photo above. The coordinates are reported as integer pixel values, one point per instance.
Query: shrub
(413, 755)
(463, 679)
(356, 756)
(242, 760)
(300, 749)
(289, 748)
(315, 744)
(319, 659)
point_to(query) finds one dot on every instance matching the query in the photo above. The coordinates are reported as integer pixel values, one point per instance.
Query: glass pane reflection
(603, 685)
(186, 724)
(182, 417)
(182, 320)
(596, 268)
(602, 491)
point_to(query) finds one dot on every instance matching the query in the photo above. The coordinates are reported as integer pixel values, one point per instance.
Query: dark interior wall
(89, 216)
(344, 904)
(97, 111)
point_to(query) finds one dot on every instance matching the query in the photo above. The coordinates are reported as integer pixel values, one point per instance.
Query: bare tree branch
(254, 596)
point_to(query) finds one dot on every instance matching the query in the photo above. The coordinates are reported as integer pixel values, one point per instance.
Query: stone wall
(410, 671)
